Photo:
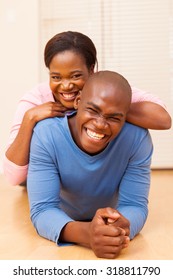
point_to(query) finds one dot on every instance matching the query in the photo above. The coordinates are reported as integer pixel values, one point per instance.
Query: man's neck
(72, 125)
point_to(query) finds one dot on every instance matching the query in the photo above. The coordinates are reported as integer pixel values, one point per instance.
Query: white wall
(19, 59)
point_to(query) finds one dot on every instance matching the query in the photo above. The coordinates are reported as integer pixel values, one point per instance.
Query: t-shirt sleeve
(135, 185)
(43, 185)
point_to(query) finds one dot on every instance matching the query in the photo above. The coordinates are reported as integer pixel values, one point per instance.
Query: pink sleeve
(23, 106)
(37, 96)
(15, 174)
(141, 96)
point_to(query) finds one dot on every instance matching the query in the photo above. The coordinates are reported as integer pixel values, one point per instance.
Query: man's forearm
(76, 232)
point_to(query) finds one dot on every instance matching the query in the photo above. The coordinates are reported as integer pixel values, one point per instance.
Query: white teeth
(94, 135)
(68, 95)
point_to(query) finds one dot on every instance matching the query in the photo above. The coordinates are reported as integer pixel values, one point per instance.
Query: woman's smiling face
(68, 74)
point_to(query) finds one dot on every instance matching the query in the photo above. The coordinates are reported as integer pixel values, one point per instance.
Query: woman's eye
(56, 78)
(76, 76)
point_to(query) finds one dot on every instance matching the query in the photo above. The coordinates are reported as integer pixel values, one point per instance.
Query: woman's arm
(149, 115)
(15, 162)
(18, 152)
(148, 111)
(16, 159)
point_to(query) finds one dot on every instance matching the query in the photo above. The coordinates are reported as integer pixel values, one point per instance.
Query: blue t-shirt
(66, 184)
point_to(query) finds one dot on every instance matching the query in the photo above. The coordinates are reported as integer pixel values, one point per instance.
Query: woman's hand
(46, 110)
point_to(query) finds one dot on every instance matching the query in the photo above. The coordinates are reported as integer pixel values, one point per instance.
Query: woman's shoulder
(40, 93)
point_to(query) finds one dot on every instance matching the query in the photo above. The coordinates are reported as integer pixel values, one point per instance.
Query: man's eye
(91, 110)
(114, 119)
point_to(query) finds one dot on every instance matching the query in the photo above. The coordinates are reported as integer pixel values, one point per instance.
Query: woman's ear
(77, 100)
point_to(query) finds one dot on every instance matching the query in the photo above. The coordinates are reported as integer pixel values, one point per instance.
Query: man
(89, 173)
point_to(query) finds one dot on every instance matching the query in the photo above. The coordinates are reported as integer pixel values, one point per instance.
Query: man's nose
(100, 122)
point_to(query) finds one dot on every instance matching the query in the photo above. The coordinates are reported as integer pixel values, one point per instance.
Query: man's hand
(107, 233)
(107, 237)
(118, 221)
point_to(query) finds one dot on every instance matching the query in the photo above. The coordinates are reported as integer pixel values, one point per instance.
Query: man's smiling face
(101, 114)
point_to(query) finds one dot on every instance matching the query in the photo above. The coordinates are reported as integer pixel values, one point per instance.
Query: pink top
(41, 94)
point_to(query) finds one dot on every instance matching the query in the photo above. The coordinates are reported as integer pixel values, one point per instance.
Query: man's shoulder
(50, 123)
(133, 132)
(132, 139)
(129, 127)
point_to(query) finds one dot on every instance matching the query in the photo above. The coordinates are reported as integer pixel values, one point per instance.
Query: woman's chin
(68, 104)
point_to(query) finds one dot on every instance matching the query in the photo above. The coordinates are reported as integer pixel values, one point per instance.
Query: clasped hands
(106, 234)
(109, 233)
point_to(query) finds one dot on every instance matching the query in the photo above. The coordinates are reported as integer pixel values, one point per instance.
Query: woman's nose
(66, 85)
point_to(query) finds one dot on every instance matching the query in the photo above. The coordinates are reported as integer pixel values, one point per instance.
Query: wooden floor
(18, 239)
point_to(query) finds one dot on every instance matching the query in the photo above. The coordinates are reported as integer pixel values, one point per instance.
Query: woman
(71, 58)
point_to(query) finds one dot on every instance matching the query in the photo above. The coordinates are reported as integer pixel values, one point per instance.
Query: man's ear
(92, 69)
(77, 100)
